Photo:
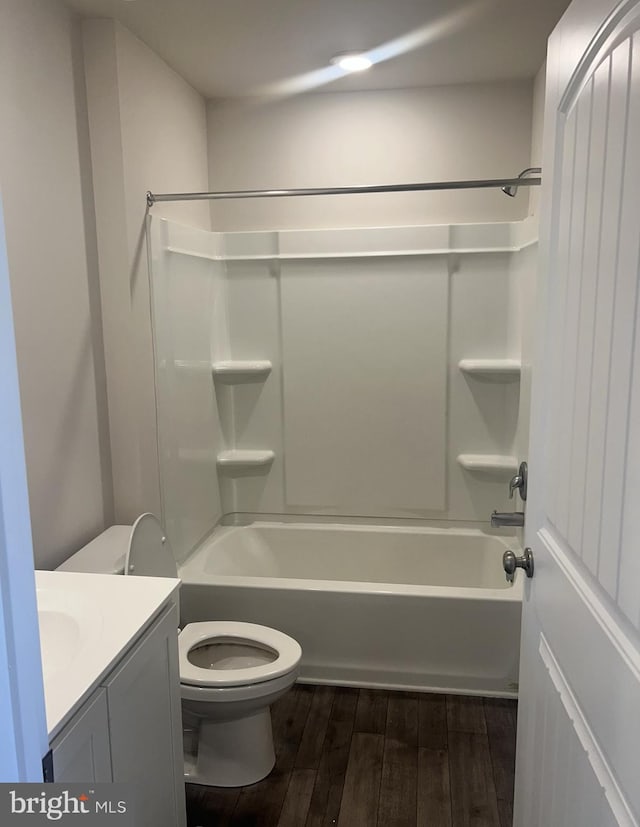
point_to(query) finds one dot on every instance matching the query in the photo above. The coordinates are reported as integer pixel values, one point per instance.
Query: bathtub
(393, 607)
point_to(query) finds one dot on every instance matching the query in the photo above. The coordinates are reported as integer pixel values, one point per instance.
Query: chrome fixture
(511, 189)
(508, 185)
(510, 563)
(511, 518)
(519, 482)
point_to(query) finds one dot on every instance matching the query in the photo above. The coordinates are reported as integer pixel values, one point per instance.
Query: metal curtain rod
(430, 186)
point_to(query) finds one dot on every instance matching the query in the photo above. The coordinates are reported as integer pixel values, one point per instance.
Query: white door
(23, 731)
(578, 756)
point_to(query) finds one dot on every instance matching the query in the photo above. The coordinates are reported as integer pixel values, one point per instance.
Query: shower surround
(345, 375)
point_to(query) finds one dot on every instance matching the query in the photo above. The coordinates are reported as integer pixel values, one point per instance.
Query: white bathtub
(380, 606)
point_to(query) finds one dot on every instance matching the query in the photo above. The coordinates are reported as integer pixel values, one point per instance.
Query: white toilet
(230, 673)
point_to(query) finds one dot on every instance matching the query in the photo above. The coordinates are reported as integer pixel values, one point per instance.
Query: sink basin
(59, 641)
(68, 626)
(86, 623)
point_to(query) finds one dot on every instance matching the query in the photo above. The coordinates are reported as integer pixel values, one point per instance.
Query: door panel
(596, 294)
(145, 720)
(599, 662)
(23, 724)
(574, 762)
(624, 323)
(618, 69)
(578, 759)
(81, 752)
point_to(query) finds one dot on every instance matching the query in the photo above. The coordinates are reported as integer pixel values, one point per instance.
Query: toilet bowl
(230, 672)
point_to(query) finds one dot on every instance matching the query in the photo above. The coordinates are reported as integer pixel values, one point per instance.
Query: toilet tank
(104, 555)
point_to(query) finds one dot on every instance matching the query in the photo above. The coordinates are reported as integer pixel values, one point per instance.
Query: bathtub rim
(242, 519)
(511, 593)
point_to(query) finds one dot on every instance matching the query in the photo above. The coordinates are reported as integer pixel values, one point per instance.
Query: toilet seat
(149, 552)
(287, 653)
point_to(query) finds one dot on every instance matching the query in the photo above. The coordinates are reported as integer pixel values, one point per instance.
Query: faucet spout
(512, 518)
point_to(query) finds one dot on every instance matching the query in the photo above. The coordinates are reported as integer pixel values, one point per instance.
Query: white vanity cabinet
(130, 729)
(145, 725)
(82, 752)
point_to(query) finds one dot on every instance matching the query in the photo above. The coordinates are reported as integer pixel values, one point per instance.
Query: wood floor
(367, 758)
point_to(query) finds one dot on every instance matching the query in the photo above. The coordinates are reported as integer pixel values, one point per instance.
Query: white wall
(337, 139)
(391, 390)
(524, 275)
(364, 383)
(148, 132)
(537, 126)
(51, 247)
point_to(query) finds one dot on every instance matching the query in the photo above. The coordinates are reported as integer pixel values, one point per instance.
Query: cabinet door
(145, 725)
(81, 751)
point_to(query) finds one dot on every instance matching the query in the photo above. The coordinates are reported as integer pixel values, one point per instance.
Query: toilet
(230, 672)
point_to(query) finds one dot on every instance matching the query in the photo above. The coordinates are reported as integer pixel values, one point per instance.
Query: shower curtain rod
(429, 186)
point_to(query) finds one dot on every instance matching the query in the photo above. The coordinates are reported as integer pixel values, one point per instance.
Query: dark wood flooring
(371, 758)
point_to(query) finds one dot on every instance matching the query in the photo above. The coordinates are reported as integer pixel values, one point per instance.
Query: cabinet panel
(146, 725)
(81, 751)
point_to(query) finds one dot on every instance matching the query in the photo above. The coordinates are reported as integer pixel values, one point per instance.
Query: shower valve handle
(519, 482)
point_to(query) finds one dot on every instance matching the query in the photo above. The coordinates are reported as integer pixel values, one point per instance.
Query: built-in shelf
(495, 369)
(235, 372)
(488, 463)
(237, 459)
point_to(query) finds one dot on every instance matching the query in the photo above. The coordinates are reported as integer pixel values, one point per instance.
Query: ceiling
(230, 48)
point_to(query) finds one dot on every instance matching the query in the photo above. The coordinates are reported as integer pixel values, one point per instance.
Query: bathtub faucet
(511, 518)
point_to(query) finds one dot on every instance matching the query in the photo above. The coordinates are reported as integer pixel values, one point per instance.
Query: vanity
(112, 686)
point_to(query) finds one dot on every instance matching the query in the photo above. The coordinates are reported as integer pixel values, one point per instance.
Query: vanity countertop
(87, 622)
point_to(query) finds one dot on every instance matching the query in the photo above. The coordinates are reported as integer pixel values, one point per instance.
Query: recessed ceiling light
(352, 61)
